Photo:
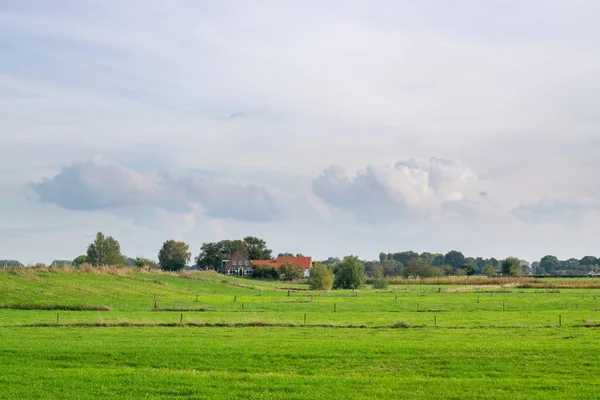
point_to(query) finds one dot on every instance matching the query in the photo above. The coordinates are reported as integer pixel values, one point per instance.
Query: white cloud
(404, 191)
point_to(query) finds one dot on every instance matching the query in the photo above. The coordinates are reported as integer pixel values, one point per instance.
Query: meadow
(134, 334)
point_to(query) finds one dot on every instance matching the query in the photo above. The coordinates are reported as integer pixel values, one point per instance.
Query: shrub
(349, 273)
(321, 277)
(289, 272)
(265, 272)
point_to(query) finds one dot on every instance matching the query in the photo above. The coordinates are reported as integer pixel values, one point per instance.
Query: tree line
(175, 255)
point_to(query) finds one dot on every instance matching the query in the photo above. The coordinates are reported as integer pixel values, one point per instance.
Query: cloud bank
(107, 185)
(406, 190)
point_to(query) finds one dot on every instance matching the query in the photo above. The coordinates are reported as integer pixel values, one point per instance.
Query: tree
(289, 272)
(142, 262)
(174, 255)
(438, 260)
(320, 278)
(331, 261)
(257, 248)
(79, 260)
(104, 251)
(379, 281)
(383, 257)
(549, 264)
(285, 255)
(10, 263)
(455, 259)
(511, 267)
(404, 257)
(588, 260)
(349, 273)
(212, 254)
(488, 270)
(469, 269)
(421, 268)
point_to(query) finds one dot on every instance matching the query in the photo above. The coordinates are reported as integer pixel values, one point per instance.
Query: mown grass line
(263, 324)
(60, 307)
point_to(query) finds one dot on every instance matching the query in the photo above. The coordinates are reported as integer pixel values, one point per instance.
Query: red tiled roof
(302, 262)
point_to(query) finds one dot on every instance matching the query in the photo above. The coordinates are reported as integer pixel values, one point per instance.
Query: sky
(325, 130)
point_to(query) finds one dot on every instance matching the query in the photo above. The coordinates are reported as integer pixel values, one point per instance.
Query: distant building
(239, 264)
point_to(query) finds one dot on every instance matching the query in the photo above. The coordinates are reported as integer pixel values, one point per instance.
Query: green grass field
(248, 339)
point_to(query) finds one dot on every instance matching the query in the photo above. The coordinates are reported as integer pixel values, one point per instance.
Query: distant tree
(512, 267)
(404, 257)
(299, 255)
(379, 280)
(174, 255)
(461, 272)
(549, 264)
(256, 248)
(320, 278)
(418, 267)
(142, 262)
(79, 260)
(211, 254)
(488, 270)
(438, 260)
(129, 261)
(383, 257)
(284, 255)
(289, 272)
(10, 263)
(454, 258)
(331, 261)
(349, 273)
(60, 263)
(104, 251)
(469, 269)
(494, 262)
(588, 260)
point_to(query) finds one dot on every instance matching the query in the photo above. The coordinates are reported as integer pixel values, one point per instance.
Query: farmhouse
(240, 264)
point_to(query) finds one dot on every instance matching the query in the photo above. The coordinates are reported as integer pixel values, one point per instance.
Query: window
(246, 262)
(234, 262)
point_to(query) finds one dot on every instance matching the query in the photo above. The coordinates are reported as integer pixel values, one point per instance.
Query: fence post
(57, 318)
(417, 306)
(477, 299)
(235, 298)
(395, 301)
(503, 307)
(242, 306)
(334, 307)
(434, 320)
(304, 319)
(155, 297)
(196, 298)
(560, 320)
(118, 295)
(288, 293)
(181, 319)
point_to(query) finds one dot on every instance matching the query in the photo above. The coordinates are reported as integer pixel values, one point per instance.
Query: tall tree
(174, 255)
(104, 251)
(257, 248)
(349, 273)
(549, 264)
(212, 254)
(588, 260)
(455, 259)
(512, 267)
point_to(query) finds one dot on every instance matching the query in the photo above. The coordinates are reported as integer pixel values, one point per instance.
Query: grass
(297, 363)
(126, 333)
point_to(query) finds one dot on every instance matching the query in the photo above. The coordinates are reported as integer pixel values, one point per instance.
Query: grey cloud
(407, 190)
(108, 185)
(565, 210)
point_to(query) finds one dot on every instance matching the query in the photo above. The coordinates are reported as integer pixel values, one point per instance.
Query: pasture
(131, 334)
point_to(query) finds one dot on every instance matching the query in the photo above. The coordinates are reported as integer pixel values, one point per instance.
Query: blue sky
(326, 130)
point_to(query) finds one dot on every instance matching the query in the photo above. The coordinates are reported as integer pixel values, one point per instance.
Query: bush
(289, 272)
(265, 272)
(379, 280)
(321, 277)
(349, 273)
